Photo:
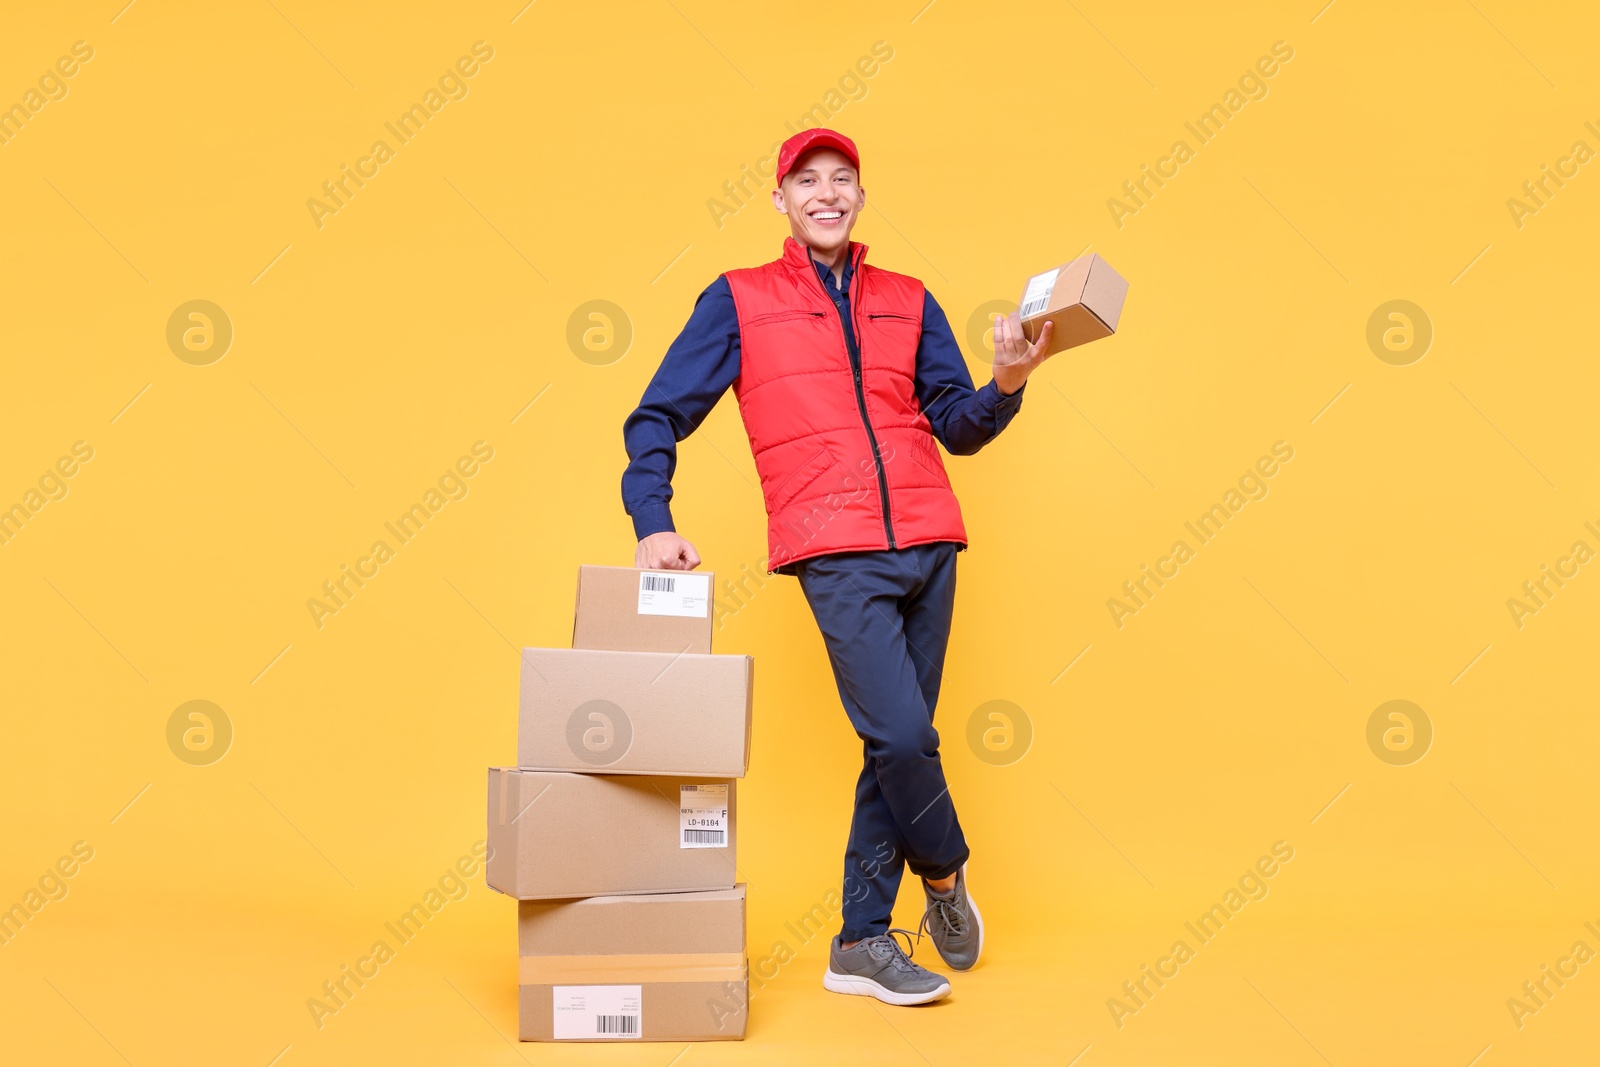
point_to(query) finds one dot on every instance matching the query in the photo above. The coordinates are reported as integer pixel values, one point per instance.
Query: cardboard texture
(635, 712)
(624, 609)
(1084, 301)
(684, 951)
(554, 834)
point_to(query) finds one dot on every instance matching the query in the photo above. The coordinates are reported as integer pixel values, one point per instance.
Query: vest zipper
(861, 404)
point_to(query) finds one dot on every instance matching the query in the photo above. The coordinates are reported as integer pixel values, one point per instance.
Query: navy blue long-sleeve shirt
(703, 363)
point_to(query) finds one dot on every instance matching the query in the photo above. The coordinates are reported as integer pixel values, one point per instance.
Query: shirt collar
(825, 274)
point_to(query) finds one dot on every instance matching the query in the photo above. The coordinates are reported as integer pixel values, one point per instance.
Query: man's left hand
(1014, 357)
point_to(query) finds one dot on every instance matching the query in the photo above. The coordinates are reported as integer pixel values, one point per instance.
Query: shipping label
(586, 1012)
(1037, 296)
(703, 816)
(688, 595)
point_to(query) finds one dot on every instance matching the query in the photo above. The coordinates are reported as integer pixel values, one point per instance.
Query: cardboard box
(628, 610)
(635, 712)
(1083, 298)
(553, 834)
(659, 967)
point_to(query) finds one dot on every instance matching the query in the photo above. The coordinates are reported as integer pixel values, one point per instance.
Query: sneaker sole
(865, 987)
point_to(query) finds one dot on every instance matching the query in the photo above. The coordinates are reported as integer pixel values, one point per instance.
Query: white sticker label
(1037, 296)
(675, 594)
(586, 1012)
(703, 816)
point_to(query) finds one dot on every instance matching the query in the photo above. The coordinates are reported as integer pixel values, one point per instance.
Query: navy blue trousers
(885, 618)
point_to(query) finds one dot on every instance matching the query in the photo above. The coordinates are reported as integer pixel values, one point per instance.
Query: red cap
(806, 140)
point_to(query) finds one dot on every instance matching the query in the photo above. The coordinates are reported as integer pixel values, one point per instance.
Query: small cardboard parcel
(1083, 298)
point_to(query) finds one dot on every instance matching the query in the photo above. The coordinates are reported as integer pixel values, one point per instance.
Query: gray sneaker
(952, 920)
(877, 967)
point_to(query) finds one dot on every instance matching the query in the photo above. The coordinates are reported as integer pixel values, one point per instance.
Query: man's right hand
(665, 551)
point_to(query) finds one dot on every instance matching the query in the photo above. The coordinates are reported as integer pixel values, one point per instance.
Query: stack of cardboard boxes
(616, 831)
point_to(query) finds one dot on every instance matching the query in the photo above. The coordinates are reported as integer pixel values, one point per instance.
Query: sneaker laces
(885, 947)
(946, 912)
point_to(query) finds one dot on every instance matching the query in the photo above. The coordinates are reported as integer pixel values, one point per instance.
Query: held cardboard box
(554, 834)
(658, 967)
(635, 712)
(1083, 298)
(628, 610)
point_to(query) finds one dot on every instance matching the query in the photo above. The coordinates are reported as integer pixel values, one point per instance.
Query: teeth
(828, 215)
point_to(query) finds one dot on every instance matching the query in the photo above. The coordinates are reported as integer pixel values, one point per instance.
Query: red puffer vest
(846, 457)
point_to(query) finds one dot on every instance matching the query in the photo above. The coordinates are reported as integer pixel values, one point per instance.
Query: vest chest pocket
(781, 316)
(893, 340)
(896, 327)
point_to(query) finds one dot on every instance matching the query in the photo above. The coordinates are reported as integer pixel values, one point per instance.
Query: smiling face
(822, 199)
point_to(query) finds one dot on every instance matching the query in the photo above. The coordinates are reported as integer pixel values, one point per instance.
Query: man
(845, 374)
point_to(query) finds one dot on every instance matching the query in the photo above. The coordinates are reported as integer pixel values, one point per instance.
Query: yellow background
(370, 353)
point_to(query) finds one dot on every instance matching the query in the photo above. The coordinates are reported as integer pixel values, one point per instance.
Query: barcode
(702, 837)
(656, 583)
(616, 1024)
(1033, 307)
